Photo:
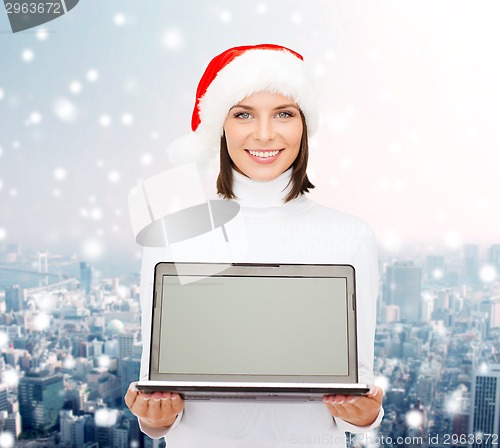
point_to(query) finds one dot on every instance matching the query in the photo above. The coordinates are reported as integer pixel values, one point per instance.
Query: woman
(256, 106)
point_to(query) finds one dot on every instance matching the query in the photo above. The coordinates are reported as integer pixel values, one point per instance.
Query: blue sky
(409, 133)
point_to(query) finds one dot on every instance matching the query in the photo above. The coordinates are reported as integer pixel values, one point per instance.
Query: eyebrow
(282, 106)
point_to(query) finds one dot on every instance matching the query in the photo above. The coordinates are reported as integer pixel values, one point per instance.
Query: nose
(264, 130)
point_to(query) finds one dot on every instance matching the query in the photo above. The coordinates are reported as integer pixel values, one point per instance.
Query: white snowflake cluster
(75, 87)
(119, 19)
(106, 418)
(65, 110)
(225, 16)
(146, 159)
(453, 402)
(414, 418)
(104, 361)
(42, 34)
(6, 439)
(172, 39)
(4, 338)
(262, 8)
(27, 55)
(69, 363)
(453, 239)
(92, 75)
(41, 322)
(383, 382)
(10, 378)
(60, 174)
(92, 249)
(3, 234)
(488, 273)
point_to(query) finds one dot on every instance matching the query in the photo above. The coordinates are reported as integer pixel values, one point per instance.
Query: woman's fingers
(359, 410)
(157, 409)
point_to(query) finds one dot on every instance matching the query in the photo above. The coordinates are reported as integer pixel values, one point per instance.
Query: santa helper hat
(232, 76)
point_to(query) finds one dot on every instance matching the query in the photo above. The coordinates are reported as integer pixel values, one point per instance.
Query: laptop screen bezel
(346, 272)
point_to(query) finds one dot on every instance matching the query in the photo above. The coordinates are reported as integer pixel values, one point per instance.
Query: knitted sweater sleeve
(366, 266)
(149, 259)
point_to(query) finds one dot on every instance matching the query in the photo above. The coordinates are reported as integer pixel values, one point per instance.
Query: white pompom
(190, 148)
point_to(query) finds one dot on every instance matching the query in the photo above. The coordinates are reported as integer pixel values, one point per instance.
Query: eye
(284, 114)
(242, 115)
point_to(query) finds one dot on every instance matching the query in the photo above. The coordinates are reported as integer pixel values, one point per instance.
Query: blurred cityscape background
(70, 345)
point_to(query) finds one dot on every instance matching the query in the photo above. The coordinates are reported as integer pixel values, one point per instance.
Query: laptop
(253, 331)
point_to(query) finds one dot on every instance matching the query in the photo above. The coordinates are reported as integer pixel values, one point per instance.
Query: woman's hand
(358, 410)
(156, 410)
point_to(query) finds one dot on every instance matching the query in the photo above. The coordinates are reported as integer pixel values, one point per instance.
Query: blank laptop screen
(254, 326)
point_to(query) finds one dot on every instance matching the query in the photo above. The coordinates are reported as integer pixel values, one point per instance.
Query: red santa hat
(232, 76)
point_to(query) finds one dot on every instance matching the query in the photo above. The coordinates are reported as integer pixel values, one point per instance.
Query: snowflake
(105, 121)
(114, 176)
(41, 322)
(106, 418)
(262, 8)
(59, 174)
(127, 119)
(92, 75)
(35, 118)
(69, 363)
(382, 382)
(437, 274)
(414, 418)
(225, 16)
(453, 239)
(42, 34)
(65, 110)
(104, 361)
(6, 439)
(391, 241)
(10, 378)
(119, 19)
(4, 338)
(172, 39)
(96, 214)
(75, 87)
(146, 159)
(27, 55)
(296, 18)
(2, 93)
(92, 249)
(488, 273)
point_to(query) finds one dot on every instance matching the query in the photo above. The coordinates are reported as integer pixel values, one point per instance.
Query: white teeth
(263, 154)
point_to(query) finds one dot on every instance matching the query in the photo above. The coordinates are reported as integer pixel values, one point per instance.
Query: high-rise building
(403, 288)
(85, 277)
(485, 404)
(126, 344)
(130, 370)
(14, 298)
(471, 265)
(72, 428)
(4, 403)
(41, 397)
(494, 256)
(435, 268)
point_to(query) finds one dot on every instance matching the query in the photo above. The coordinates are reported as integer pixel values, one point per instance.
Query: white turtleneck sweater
(300, 231)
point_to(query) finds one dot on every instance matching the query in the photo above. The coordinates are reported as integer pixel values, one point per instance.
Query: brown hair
(299, 180)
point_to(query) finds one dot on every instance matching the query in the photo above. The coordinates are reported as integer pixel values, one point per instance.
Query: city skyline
(428, 360)
(408, 136)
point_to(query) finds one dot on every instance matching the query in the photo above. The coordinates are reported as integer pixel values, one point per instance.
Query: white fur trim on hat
(258, 70)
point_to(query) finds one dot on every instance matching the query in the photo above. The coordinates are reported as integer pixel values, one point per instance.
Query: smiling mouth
(264, 154)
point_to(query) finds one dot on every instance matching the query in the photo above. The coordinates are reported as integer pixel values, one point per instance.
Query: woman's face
(263, 134)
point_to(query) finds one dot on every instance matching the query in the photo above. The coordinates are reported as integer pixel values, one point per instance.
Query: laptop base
(259, 393)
